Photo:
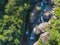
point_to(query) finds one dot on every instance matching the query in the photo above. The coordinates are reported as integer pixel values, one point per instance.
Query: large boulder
(44, 38)
(41, 28)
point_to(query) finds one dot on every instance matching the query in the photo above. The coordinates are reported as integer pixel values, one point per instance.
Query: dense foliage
(12, 16)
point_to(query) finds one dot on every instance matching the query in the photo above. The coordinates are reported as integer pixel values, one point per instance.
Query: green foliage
(57, 12)
(12, 21)
(16, 41)
(56, 1)
(55, 30)
(40, 42)
(3, 38)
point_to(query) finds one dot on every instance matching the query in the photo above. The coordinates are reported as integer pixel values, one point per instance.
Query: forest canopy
(12, 16)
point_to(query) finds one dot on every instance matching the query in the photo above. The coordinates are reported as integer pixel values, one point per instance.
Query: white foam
(27, 32)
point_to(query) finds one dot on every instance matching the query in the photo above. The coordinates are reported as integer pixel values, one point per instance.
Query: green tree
(12, 21)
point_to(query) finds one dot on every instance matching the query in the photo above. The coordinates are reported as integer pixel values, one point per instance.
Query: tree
(12, 21)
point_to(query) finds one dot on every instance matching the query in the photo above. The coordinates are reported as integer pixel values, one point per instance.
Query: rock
(48, 14)
(36, 43)
(36, 31)
(44, 38)
(42, 25)
(40, 28)
(54, 17)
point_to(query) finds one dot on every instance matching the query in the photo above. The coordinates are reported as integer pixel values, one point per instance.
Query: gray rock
(40, 28)
(44, 38)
